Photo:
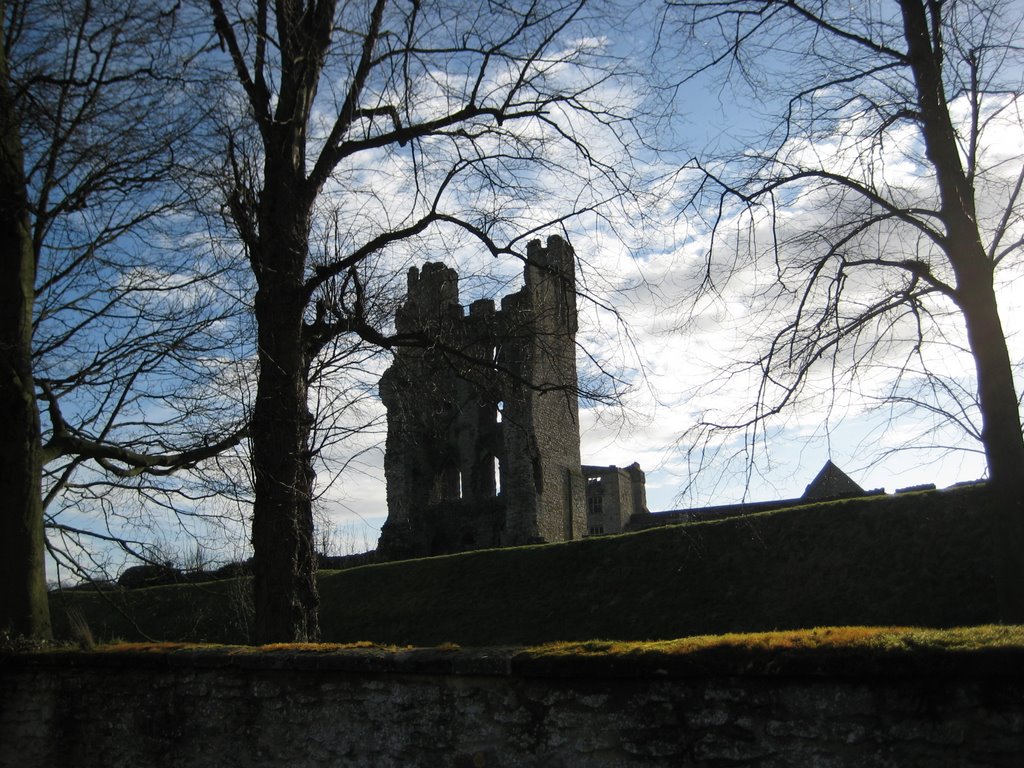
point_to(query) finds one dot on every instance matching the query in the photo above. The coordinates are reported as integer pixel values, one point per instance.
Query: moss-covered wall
(489, 708)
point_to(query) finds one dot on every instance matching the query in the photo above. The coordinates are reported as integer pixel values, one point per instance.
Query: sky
(640, 261)
(675, 350)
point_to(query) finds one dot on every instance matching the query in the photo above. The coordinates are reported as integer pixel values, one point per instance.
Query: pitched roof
(831, 483)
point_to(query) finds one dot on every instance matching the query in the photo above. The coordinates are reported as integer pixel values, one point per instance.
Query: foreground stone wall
(224, 708)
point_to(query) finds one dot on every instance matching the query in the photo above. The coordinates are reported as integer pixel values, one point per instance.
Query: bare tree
(909, 205)
(423, 117)
(23, 610)
(113, 334)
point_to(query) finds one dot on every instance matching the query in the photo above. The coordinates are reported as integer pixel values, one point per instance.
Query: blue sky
(674, 349)
(639, 264)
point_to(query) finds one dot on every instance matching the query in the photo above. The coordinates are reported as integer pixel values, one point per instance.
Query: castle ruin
(483, 445)
(614, 495)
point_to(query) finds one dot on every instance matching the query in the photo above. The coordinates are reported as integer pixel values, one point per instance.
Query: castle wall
(445, 434)
(542, 430)
(613, 496)
(638, 481)
(419, 462)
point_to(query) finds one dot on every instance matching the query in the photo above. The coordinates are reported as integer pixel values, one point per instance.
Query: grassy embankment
(911, 560)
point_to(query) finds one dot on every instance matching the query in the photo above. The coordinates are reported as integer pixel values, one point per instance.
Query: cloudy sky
(682, 353)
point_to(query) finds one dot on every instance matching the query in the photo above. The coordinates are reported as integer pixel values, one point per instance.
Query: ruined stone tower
(483, 443)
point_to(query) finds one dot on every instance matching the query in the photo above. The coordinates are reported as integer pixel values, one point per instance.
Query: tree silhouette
(464, 103)
(911, 209)
(107, 338)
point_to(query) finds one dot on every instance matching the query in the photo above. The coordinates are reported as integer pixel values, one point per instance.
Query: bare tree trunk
(275, 221)
(24, 609)
(284, 564)
(1001, 433)
(1001, 436)
(378, 53)
(975, 296)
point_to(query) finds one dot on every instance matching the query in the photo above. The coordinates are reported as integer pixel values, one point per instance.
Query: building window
(595, 505)
(596, 530)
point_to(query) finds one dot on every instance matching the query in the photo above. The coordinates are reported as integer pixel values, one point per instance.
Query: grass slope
(910, 560)
(213, 612)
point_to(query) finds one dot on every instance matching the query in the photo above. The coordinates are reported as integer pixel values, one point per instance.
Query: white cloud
(645, 322)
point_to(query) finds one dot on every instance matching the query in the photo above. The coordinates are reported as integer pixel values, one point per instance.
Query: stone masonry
(483, 444)
(614, 495)
(304, 709)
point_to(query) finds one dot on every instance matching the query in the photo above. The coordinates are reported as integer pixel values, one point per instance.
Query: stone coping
(595, 659)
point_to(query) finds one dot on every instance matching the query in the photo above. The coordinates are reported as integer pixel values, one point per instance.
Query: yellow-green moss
(880, 640)
(877, 639)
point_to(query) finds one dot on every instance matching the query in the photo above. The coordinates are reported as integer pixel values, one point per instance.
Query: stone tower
(483, 444)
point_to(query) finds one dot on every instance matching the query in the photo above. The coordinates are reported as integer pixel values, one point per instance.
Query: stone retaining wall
(492, 708)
